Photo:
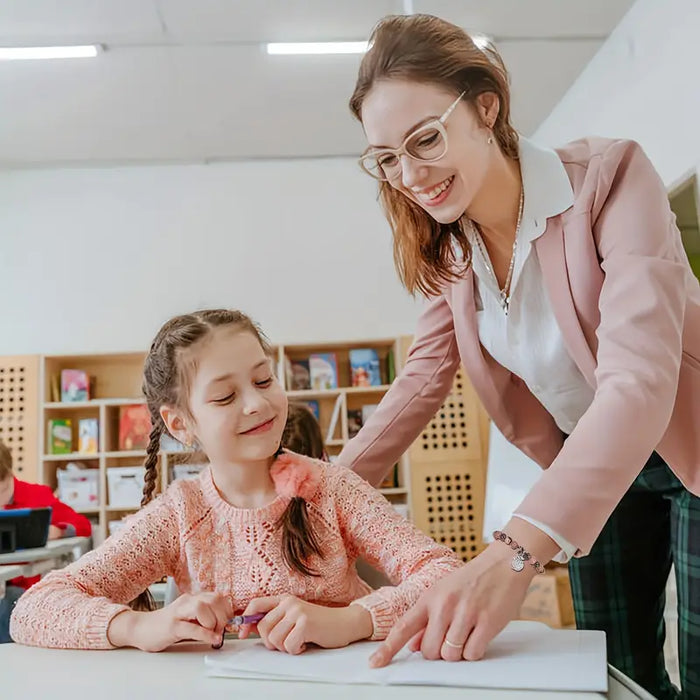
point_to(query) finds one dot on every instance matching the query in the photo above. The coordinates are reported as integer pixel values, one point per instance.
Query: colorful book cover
(354, 421)
(75, 385)
(88, 431)
(314, 408)
(301, 376)
(364, 367)
(134, 427)
(323, 369)
(60, 436)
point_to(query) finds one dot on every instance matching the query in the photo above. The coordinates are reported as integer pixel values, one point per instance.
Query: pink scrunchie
(295, 476)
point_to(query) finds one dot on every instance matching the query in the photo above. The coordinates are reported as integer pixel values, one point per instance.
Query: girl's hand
(290, 624)
(469, 607)
(200, 617)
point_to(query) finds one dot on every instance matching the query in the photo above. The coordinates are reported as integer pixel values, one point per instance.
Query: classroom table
(8, 572)
(178, 674)
(40, 560)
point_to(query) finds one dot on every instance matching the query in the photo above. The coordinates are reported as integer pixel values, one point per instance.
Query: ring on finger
(453, 645)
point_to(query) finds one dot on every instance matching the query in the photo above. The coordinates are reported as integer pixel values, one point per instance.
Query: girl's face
(239, 408)
(445, 188)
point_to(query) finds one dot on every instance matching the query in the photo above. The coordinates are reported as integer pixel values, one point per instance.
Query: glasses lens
(381, 165)
(427, 143)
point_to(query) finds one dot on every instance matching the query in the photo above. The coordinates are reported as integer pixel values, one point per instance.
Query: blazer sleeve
(642, 305)
(413, 398)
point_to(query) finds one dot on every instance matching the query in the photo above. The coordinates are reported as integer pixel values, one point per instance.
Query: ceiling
(188, 80)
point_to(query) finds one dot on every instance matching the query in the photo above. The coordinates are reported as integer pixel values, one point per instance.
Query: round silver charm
(518, 563)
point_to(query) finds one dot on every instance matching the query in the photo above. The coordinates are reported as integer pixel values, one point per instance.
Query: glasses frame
(438, 124)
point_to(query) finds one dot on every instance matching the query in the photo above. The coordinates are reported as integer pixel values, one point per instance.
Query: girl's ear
(176, 424)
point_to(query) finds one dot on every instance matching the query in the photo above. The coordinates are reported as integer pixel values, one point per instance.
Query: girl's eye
(264, 383)
(225, 399)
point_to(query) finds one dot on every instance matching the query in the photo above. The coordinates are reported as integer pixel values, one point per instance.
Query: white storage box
(113, 526)
(187, 471)
(79, 488)
(125, 486)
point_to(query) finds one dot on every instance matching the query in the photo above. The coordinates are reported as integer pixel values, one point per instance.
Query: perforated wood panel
(19, 412)
(448, 472)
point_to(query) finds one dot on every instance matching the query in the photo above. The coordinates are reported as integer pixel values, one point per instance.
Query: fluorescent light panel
(18, 53)
(318, 47)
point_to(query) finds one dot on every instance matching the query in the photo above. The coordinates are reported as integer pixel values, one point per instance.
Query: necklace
(504, 294)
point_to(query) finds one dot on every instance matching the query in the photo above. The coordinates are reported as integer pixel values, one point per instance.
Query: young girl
(260, 531)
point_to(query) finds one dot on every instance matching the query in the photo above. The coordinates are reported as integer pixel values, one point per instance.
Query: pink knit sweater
(206, 544)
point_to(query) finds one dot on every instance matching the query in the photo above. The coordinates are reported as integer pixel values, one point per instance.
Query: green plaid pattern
(620, 586)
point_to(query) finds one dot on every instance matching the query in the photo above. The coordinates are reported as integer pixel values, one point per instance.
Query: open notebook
(526, 655)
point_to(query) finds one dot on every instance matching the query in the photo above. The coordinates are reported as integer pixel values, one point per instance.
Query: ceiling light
(10, 53)
(319, 47)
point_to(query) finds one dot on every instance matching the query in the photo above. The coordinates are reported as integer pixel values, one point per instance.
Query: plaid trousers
(620, 586)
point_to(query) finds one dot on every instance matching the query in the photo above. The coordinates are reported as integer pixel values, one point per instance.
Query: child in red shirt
(65, 522)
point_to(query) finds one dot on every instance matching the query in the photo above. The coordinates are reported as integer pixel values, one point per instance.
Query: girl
(559, 280)
(260, 531)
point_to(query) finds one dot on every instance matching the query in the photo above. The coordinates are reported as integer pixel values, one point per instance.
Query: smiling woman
(532, 260)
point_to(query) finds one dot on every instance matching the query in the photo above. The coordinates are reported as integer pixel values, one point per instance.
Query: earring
(490, 139)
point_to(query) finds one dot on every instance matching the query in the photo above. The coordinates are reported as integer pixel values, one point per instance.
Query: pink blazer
(628, 306)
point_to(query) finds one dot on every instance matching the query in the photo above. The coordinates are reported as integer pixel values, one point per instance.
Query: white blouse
(527, 340)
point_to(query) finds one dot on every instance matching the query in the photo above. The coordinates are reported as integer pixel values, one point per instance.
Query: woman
(559, 280)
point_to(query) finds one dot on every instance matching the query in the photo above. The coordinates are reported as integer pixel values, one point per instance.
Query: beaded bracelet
(521, 556)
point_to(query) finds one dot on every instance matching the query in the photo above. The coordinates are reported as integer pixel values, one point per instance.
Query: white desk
(178, 674)
(39, 560)
(8, 572)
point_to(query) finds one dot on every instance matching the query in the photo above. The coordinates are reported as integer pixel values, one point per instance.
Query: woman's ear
(487, 107)
(176, 424)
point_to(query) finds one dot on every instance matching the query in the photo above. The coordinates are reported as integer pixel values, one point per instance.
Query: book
(323, 370)
(364, 367)
(75, 385)
(300, 375)
(60, 436)
(391, 481)
(88, 431)
(134, 427)
(314, 408)
(354, 421)
(390, 367)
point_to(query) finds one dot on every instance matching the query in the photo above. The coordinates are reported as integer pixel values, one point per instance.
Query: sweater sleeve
(374, 530)
(71, 608)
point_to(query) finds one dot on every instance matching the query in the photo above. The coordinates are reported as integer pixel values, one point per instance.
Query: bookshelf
(116, 382)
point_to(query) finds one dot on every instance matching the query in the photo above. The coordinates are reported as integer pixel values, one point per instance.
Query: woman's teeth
(438, 189)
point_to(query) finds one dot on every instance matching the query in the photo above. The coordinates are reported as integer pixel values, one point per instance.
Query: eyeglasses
(427, 144)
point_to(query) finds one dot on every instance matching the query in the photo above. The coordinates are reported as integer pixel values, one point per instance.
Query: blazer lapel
(550, 248)
(487, 377)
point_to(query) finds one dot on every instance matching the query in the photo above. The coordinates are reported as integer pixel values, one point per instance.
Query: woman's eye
(428, 141)
(264, 383)
(387, 161)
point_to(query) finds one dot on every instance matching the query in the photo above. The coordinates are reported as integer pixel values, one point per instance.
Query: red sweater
(28, 495)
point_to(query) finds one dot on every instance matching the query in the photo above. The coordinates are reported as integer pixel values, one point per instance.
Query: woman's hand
(290, 624)
(458, 616)
(201, 617)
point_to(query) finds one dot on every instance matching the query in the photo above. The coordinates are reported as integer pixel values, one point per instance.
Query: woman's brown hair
(426, 49)
(167, 374)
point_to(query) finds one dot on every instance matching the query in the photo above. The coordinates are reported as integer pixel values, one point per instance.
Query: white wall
(96, 259)
(644, 84)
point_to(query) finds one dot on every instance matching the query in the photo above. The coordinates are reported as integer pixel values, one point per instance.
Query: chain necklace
(504, 294)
